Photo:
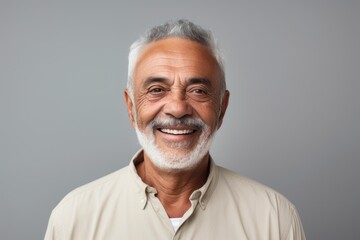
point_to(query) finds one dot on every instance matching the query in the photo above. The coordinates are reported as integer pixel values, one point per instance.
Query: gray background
(293, 121)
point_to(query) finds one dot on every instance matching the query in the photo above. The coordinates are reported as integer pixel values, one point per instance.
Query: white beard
(174, 160)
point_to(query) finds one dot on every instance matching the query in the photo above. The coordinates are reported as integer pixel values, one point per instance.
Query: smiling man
(176, 98)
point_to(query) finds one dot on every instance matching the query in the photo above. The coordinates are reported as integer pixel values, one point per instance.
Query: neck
(174, 187)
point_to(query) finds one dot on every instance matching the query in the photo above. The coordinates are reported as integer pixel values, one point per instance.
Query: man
(176, 99)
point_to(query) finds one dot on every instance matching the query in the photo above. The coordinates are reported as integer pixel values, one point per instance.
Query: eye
(199, 91)
(156, 90)
(198, 94)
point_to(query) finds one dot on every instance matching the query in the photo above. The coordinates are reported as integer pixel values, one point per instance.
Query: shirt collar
(141, 186)
(202, 194)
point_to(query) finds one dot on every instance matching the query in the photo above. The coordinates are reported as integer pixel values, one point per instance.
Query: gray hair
(179, 29)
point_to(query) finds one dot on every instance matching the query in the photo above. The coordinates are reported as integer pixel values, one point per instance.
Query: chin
(178, 159)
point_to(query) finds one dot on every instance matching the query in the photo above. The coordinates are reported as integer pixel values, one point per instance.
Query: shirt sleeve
(50, 231)
(296, 231)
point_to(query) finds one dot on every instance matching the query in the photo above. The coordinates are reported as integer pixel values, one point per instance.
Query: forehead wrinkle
(175, 55)
(172, 62)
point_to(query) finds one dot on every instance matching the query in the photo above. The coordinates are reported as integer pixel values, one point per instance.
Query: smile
(176, 131)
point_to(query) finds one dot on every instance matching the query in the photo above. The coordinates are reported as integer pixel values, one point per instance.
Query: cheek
(146, 111)
(208, 112)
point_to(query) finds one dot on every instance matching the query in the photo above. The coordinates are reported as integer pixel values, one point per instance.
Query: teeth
(176, 132)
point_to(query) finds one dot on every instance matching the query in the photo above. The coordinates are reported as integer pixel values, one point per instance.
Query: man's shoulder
(251, 190)
(249, 202)
(97, 189)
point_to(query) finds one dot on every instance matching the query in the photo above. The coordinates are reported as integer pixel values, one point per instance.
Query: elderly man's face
(176, 97)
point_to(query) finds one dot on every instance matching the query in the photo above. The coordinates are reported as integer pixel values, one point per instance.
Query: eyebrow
(203, 81)
(190, 81)
(152, 80)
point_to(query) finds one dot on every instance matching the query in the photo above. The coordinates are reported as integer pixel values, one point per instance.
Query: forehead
(176, 56)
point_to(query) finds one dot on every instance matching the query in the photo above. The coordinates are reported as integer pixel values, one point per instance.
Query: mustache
(194, 123)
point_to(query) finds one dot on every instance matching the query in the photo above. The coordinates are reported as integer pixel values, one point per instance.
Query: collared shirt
(122, 206)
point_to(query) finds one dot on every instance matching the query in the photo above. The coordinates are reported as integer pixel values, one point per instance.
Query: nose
(177, 105)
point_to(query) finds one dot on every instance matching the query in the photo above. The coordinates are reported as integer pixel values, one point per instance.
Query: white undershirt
(175, 222)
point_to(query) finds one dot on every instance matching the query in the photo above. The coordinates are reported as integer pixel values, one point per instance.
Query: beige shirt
(121, 206)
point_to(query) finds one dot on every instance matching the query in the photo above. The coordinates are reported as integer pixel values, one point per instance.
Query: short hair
(180, 29)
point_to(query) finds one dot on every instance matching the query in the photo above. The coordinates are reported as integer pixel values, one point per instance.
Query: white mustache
(194, 123)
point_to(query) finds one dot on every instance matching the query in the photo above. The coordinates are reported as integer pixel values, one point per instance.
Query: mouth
(176, 131)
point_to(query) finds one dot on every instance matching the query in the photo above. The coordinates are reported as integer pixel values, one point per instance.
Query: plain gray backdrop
(292, 69)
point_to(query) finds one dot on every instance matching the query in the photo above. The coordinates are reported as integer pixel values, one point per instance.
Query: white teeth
(176, 132)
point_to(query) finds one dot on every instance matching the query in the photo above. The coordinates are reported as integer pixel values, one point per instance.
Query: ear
(130, 107)
(224, 105)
